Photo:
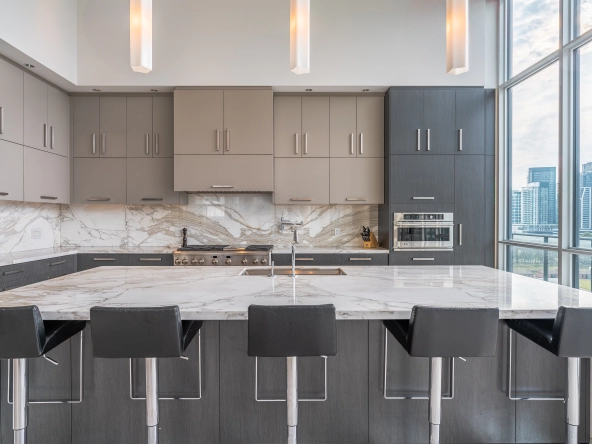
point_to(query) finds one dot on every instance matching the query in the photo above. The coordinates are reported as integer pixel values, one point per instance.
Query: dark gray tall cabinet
(439, 158)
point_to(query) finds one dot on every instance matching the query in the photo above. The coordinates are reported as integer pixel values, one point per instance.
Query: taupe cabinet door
(99, 181)
(11, 171)
(163, 126)
(357, 181)
(87, 128)
(150, 181)
(343, 127)
(248, 122)
(11, 103)
(46, 177)
(370, 125)
(58, 115)
(224, 173)
(287, 126)
(35, 111)
(113, 126)
(315, 126)
(139, 127)
(199, 121)
(301, 181)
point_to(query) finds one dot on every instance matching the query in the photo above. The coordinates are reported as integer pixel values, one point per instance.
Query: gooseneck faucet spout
(294, 252)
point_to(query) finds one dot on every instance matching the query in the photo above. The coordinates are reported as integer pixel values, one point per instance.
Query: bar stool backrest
(572, 332)
(22, 334)
(453, 332)
(292, 330)
(142, 332)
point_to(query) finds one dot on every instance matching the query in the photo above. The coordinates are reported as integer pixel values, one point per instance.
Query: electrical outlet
(36, 233)
(337, 231)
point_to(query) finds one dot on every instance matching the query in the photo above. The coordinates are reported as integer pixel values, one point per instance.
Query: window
(584, 16)
(534, 150)
(533, 263)
(583, 272)
(534, 28)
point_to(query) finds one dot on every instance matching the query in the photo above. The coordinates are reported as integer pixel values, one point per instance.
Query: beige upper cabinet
(113, 134)
(139, 127)
(86, 111)
(199, 121)
(11, 103)
(248, 121)
(46, 177)
(287, 126)
(58, 116)
(163, 127)
(301, 181)
(11, 171)
(315, 126)
(343, 127)
(370, 125)
(357, 181)
(150, 181)
(36, 130)
(99, 181)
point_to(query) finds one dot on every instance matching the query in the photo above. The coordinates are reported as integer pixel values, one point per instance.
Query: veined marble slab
(365, 293)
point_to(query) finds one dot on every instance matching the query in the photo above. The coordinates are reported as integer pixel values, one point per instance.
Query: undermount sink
(288, 271)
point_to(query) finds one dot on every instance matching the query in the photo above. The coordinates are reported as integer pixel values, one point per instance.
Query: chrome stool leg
(435, 402)
(572, 400)
(292, 398)
(20, 396)
(152, 400)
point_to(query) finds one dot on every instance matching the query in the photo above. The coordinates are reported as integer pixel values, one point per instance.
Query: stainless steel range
(223, 255)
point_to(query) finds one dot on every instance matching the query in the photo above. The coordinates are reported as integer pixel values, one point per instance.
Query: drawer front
(57, 266)
(150, 260)
(422, 180)
(421, 258)
(360, 259)
(88, 261)
(303, 259)
(15, 272)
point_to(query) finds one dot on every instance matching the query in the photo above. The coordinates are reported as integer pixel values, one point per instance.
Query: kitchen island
(355, 410)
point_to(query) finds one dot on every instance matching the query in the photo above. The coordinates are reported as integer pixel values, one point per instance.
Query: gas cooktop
(226, 248)
(223, 255)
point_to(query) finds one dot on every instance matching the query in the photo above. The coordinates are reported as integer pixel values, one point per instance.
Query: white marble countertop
(365, 293)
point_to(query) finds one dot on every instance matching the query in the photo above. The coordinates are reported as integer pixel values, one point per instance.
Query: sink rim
(288, 272)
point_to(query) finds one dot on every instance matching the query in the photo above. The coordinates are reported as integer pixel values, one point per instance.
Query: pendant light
(457, 36)
(300, 36)
(141, 35)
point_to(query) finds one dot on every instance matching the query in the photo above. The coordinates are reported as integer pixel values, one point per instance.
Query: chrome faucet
(295, 231)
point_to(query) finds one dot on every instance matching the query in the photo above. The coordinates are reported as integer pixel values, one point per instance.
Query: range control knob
(228, 261)
(255, 261)
(244, 261)
(177, 261)
(185, 261)
(201, 262)
(215, 261)
(193, 261)
(263, 261)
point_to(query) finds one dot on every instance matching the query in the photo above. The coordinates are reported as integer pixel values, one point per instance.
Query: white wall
(43, 30)
(246, 42)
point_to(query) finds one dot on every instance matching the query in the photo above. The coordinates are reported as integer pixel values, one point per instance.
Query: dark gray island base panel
(355, 411)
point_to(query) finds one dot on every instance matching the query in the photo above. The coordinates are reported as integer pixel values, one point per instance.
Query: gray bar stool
(442, 332)
(144, 332)
(567, 336)
(24, 335)
(290, 332)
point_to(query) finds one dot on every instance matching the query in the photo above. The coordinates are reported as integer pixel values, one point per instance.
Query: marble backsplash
(209, 218)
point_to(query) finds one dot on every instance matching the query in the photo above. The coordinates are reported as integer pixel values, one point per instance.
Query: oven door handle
(423, 225)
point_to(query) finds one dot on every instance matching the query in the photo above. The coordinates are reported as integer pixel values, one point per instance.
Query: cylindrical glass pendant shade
(457, 36)
(300, 36)
(141, 35)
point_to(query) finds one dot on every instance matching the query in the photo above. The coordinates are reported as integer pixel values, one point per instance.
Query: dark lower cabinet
(342, 418)
(341, 259)
(421, 258)
(350, 260)
(302, 259)
(150, 260)
(86, 261)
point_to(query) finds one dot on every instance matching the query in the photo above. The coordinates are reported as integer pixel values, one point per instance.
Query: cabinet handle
(356, 199)
(45, 134)
(3, 194)
(48, 197)
(227, 140)
(56, 263)
(360, 258)
(1, 120)
(217, 140)
(460, 139)
(104, 259)
(422, 198)
(156, 143)
(418, 139)
(361, 143)
(94, 143)
(98, 199)
(153, 199)
(52, 138)
(104, 141)
(428, 131)
(422, 259)
(351, 142)
(300, 199)
(147, 143)
(150, 259)
(296, 143)
(7, 273)
(309, 259)
(305, 143)
(459, 234)
(222, 186)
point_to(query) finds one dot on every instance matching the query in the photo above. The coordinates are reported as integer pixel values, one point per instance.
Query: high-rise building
(535, 204)
(585, 208)
(546, 176)
(586, 176)
(516, 207)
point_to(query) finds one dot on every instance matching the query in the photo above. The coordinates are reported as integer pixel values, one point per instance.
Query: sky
(535, 101)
